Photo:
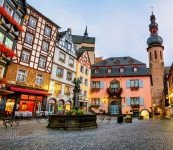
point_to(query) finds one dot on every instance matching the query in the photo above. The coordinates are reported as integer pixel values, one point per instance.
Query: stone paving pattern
(139, 135)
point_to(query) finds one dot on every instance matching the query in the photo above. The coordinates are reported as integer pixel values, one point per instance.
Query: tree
(76, 92)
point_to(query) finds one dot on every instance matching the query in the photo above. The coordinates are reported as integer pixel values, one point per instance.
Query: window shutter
(128, 101)
(101, 84)
(128, 83)
(92, 85)
(140, 83)
(141, 101)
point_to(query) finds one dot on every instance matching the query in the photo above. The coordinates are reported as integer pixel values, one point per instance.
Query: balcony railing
(114, 91)
(95, 89)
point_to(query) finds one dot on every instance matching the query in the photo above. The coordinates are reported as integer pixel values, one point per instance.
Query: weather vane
(152, 9)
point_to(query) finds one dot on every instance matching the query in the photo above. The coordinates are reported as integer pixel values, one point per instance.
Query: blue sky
(120, 26)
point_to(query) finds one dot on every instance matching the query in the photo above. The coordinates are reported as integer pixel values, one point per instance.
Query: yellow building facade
(83, 72)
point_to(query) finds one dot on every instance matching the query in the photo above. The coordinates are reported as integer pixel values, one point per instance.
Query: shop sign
(31, 97)
(39, 98)
(24, 96)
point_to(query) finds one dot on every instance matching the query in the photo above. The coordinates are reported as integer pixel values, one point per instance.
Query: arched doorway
(60, 105)
(52, 106)
(114, 108)
(145, 113)
(68, 105)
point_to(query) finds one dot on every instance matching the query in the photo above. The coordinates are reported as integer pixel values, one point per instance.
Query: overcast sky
(120, 26)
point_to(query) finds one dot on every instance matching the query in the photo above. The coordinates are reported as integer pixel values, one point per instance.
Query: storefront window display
(30, 103)
(68, 106)
(60, 105)
(9, 106)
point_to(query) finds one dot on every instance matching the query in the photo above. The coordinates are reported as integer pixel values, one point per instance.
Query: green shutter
(141, 101)
(128, 101)
(140, 83)
(101, 85)
(128, 83)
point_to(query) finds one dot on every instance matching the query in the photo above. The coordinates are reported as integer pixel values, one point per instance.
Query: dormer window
(96, 71)
(109, 70)
(121, 70)
(135, 69)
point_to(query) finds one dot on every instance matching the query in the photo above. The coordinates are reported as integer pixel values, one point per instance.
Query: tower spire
(86, 32)
(153, 28)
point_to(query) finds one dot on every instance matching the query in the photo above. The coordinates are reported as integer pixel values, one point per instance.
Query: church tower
(156, 64)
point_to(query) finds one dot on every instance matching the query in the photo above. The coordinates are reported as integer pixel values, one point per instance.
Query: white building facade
(63, 74)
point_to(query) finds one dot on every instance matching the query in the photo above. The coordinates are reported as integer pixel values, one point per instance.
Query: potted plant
(128, 119)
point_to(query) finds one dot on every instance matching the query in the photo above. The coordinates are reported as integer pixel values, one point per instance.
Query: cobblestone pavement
(139, 135)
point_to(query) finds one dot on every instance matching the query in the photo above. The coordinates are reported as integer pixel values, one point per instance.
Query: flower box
(140, 117)
(127, 120)
(10, 19)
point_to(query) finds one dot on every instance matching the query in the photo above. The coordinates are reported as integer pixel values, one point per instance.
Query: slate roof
(88, 48)
(77, 39)
(128, 63)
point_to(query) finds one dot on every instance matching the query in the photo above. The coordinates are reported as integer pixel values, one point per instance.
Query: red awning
(31, 91)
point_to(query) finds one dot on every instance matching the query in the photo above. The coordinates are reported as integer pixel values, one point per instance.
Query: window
(29, 38)
(95, 101)
(1, 38)
(67, 45)
(1, 2)
(42, 62)
(71, 62)
(47, 31)
(160, 55)
(150, 56)
(45, 46)
(134, 101)
(95, 84)
(25, 56)
(86, 71)
(67, 90)
(69, 76)
(57, 88)
(1, 71)
(61, 57)
(17, 18)
(109, 70)
(85, 93)
(9, 9)
(121, 70)
(81, 80)
(96, 70)
(8, 43)
(21, 75)
(135, 69)
(81, 69)
(86, 82)
(39, 79)
(32, 22)
(59, 72)
(155, 53)
(134, 83)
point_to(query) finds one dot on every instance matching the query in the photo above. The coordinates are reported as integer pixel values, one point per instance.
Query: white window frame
(7, 8)
(46, 31)
(42, 62)
(135, 69)
(86, 71)
(23, 75)
(32, 22)
(121, 70)
(39, 79)
(86, 82)
(60, 73)
(71, 62)
(62, 57)
(109, 70)
(82, 69)
(25, 56)
(69, 76)
(17, 18)
(81, 79)
(29, 39)
(9, 44)
(45, 46)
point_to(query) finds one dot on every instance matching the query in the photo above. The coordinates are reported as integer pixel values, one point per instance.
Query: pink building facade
(121, 84)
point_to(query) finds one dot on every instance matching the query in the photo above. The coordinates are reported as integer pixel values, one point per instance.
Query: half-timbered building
(63, 74)
(12, 14)
(83, 72)
(29, 74)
